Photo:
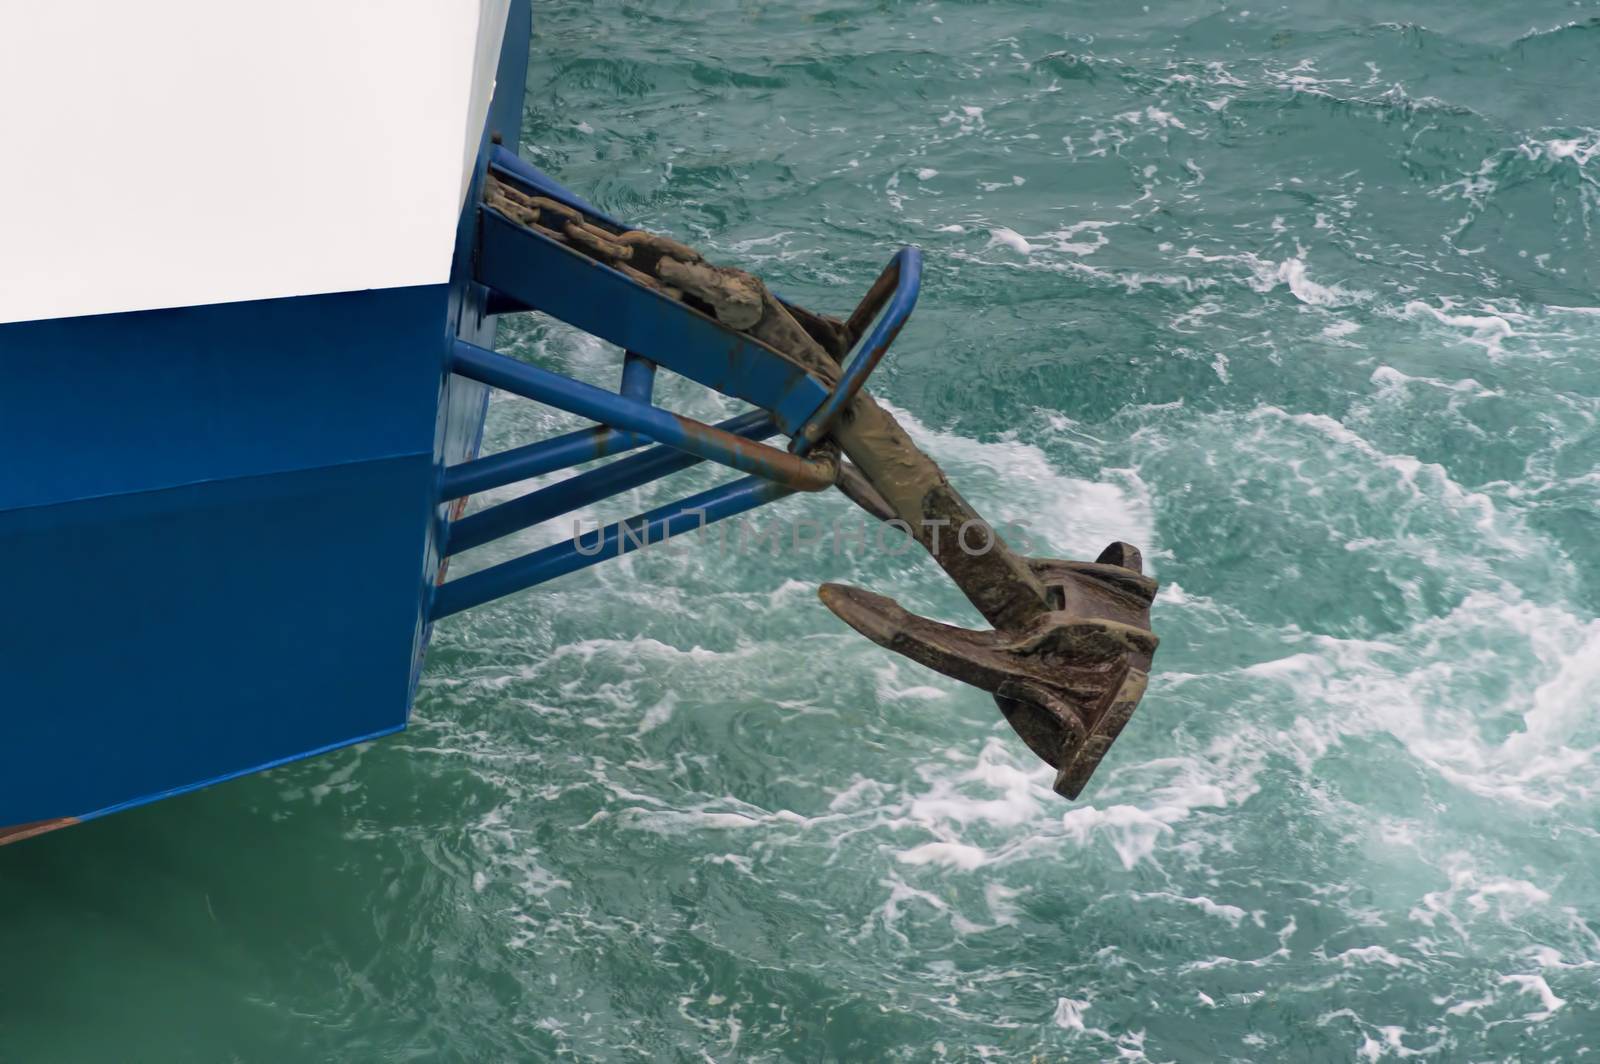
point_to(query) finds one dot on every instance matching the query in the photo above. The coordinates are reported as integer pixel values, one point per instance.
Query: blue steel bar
(531, 382)
(638, 376)
(610, 479)
(686, 515)
(905, 273)
(535, 459)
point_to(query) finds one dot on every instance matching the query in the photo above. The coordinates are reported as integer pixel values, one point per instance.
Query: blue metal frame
(562, 452)
(654, 526)
(535, 460)
(523, 269)
(546, 275)
(698, 438)
(613, 478)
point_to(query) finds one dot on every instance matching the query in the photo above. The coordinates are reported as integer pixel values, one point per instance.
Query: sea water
(1303, 299)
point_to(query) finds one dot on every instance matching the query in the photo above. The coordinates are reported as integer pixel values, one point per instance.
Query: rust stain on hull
(38, 827)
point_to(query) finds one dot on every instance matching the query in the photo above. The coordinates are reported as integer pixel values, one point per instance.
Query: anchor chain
(1069, 654)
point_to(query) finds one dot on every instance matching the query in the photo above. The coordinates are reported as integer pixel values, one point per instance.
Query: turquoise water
(1301, 298)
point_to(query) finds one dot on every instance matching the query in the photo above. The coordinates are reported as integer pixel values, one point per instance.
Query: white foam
(1502, 890)
(1293, 273)
(681, 821)
(947, 803)
(1132, 831)
(998, 897)
(1393, 379)
(1065, 240)
(861, 792)
(1548, 957)
(1369, 955)
(965, 803)
(1010, 238)
(1561, 705)
(1231, 913)
(1488, 331)
(949, 854)
(891, 687)
(888, 914)
(1535, 984)
(1420, 689)
(1265, 275)
(1559, 150)
(1043, 510)
(1391, 1039)
(1472, 1005)
(1069, 1014)
(1164, 119)
(658, 714)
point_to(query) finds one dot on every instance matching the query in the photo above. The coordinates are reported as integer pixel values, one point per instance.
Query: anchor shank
(995, 579)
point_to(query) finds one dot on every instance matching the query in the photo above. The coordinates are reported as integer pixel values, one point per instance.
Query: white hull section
(171, 153)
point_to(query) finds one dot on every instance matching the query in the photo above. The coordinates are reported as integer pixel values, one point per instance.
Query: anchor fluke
(1066, 681)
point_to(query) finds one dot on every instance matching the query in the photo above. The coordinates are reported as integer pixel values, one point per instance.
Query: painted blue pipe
(535, 460)
(638, 377)
(597, 404)
(659, 524)
(611, 479)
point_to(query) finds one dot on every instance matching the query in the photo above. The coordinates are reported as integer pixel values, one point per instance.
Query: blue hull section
(218, 561)
(220, 526)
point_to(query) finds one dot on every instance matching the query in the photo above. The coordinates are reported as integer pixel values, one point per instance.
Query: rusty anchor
(1069, 653)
